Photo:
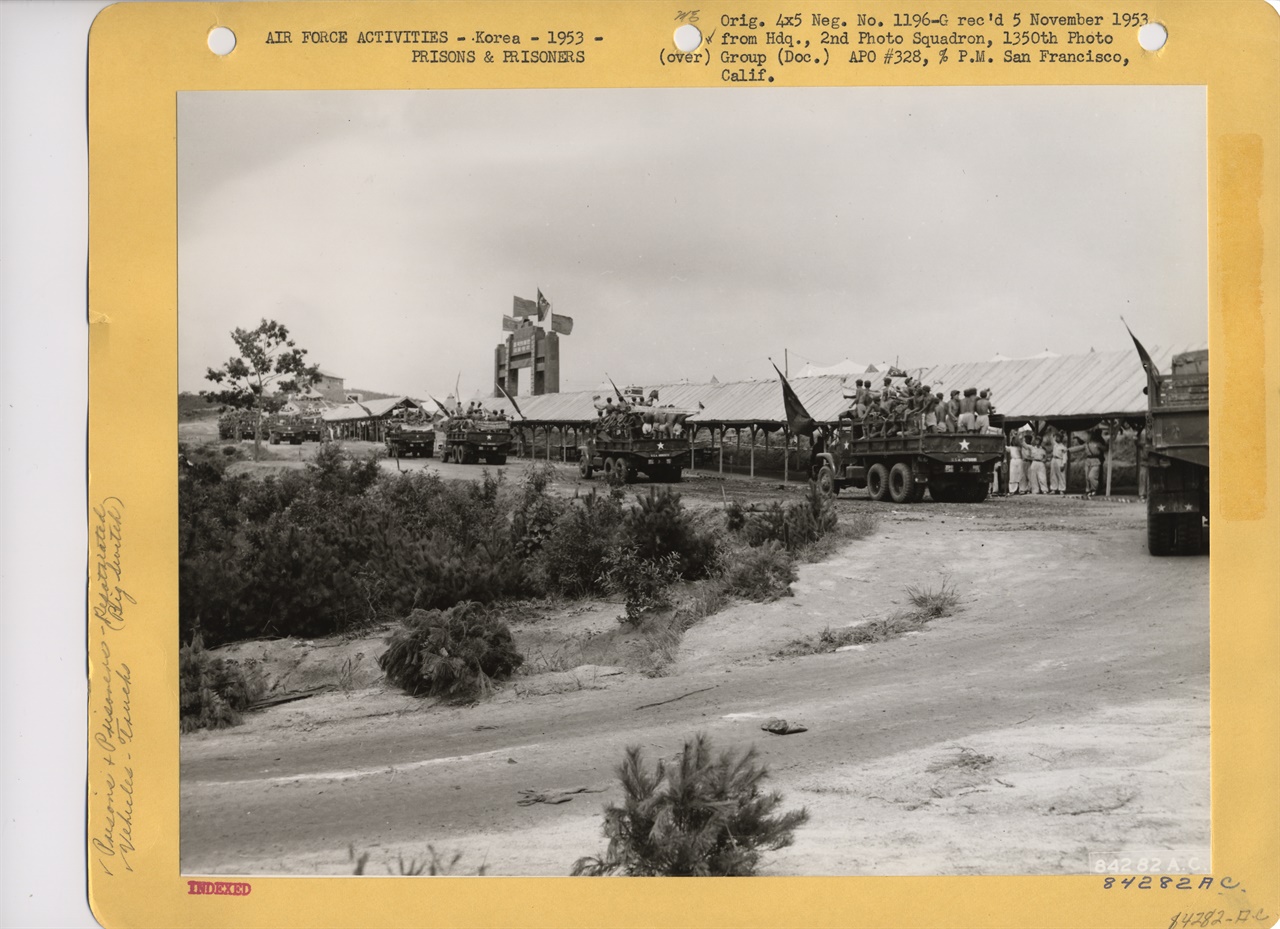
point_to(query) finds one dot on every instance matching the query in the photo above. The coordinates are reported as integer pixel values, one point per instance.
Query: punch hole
(1153, 37)
(688, 37)
(221, 40)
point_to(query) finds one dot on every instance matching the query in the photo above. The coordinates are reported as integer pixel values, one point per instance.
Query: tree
(268, 358)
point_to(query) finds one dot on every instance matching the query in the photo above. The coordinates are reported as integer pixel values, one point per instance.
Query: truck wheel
(499, 459)
(274, 440)
(626, 473)
(607, 467)
(976, 492)
(917, 492)
(1160, 534)
(677, 474)
(901, 483)
(878, 481)
(584, 467)
(938, 491)
(826, 482)
(1188, 534)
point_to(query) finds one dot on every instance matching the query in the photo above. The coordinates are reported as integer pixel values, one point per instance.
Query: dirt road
(1060, 715)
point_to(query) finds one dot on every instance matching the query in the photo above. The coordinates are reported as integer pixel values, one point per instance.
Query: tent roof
(369, 409)
(1097, 384)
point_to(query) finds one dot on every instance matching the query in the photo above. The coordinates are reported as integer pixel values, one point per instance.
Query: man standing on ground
(1058, 466)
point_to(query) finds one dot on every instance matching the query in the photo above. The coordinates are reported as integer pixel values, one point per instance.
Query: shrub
(454, 653)
(212, 692)
(643, 582)
(698, 817)
(433, 865)
(794, 525)
(535, 515)
(574, 555)
(933, 604)
(762, 574)
(660, 526)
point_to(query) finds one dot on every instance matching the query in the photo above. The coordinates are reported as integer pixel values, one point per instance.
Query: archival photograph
(693, 482)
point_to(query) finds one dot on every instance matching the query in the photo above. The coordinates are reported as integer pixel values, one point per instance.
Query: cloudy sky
(689, 232)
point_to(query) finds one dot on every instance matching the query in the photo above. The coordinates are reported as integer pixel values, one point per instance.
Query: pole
(1110, 445)
(722, 451)
(786, 454)
(753, 451)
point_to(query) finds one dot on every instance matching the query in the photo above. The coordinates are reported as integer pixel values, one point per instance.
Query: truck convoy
(410, 434)
(636, 436)
(1177, 454)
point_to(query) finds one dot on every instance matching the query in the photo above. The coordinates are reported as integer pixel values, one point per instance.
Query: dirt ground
(1059, 716)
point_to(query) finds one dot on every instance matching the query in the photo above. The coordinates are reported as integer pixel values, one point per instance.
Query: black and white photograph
(693, 482)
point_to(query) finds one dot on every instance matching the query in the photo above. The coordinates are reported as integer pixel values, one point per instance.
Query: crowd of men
(1037, 464)
(632, 413)
(913, 408)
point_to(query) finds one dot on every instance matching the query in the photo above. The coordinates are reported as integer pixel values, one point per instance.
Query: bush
(660, 526)
(793, 526)
(933, 604)
(644, 583)
(574, 554)
(697, 818)
(761, 574)
(535, 515)
(212, 692)
(454, 653)
(334, 547)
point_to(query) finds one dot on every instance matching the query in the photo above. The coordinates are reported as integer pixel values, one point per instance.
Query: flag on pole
(512, 400)
(798, 418)
(509, 323)
(544, 306)
(1153, 373)
(616, 390)
(524, 308)
(561, 324)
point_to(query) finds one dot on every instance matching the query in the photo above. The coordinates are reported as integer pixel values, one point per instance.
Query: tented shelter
(365, 420)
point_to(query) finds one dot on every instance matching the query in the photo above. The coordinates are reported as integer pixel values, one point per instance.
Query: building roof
(1095, 385)
(369, 409)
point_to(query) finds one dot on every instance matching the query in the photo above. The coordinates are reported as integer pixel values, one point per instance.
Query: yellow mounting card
(532, 442)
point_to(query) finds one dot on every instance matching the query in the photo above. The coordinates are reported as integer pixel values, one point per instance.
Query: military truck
(469, 439)
(410, 435)
(293, 429)
(1177, 456)
(637, 439)
(954, 467)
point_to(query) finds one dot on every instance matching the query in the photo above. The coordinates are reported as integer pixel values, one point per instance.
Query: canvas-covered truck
(1177, 455)
(954, 467)
(410, 437)
(470, 439)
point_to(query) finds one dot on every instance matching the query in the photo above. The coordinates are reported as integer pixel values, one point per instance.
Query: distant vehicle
(1177, 455)
(470, 439)
(954, 467)
(635, 439)
(410, 435)
(294, 429)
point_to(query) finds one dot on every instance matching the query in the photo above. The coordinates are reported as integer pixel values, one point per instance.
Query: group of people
(625, 417)
(1038, 463)
(914, 409)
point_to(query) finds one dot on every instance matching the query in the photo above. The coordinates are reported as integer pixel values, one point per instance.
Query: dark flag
(798, 417)
(561, 324)
(509, 323)
(512, 400)
(524, 308)
(544, 306)
(1153, 373)
(443, 409)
